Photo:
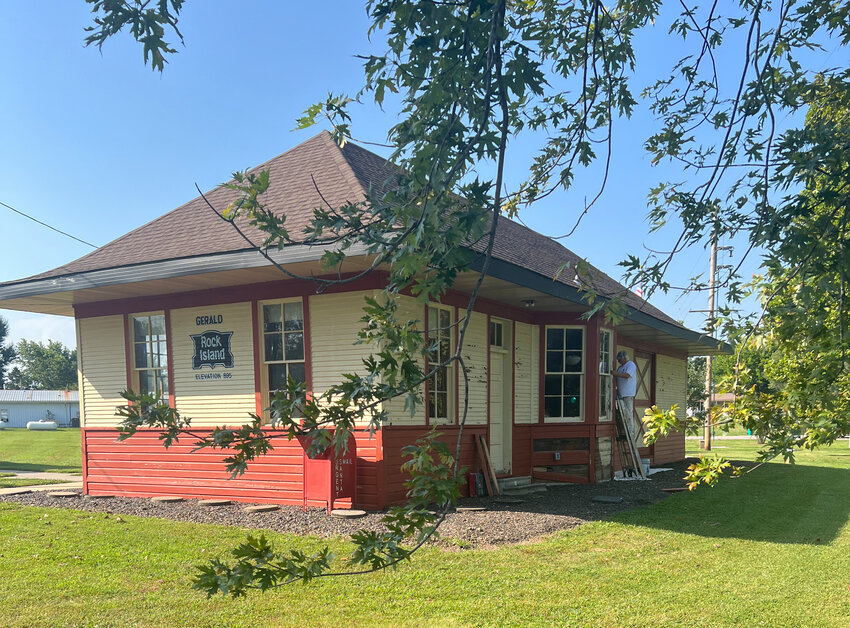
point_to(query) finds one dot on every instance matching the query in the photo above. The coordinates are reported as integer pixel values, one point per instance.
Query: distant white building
(17, 407)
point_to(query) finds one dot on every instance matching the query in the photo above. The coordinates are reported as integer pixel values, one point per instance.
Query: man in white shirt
(626, 375)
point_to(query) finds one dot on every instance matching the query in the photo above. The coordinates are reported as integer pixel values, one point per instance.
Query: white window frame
(153, 354)
(266, 391)
(446, 331)
(562, 373)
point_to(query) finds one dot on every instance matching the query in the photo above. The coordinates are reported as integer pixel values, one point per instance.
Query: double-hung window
(606, 385)
(150, 355)
(283, 346)
(441, 384)
(564, 375)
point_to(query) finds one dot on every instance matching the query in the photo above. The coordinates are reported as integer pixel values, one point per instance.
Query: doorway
(501, 396)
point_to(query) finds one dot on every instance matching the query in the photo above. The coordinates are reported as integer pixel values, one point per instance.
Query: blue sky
(97, 144)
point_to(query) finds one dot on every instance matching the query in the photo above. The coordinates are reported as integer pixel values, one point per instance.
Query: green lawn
(19, 482)
(29, 450)
(769, 549)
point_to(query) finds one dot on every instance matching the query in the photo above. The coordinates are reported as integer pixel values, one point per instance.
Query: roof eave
(166, 269)
(696, 343)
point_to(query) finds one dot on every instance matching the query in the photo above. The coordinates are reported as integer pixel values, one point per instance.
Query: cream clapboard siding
(526, 373)
(210, 402)
(671, 386)
(475, 356)
(103, 369)
(408, 310)
(334, 325)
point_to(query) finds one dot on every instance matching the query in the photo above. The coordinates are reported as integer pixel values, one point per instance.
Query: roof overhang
(506, 282)
(636, 324)
(59, 295)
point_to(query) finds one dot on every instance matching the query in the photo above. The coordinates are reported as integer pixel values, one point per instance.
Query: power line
(17, 211)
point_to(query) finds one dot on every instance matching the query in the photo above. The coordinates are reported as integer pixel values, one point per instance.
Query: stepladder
(632, 432)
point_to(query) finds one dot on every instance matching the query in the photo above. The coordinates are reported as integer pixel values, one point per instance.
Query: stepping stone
(62, 494)
(470, 509)
(608, 499)
(677, 489)
(348, 514)
(166, 499)
(18, 491)
(261, 508)
(509, 500)
(214, 502)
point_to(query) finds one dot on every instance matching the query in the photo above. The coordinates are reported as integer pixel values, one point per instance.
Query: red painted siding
(142, 467)
(521, 453)
(397, 437)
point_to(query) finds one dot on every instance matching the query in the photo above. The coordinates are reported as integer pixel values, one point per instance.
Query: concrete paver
(69, 481)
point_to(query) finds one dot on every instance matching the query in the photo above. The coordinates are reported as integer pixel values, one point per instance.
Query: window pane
(574, 339)
(572, 384)
(496, 334)
(163, 383)
(440, 379)
(141, 328)
(294, 317)
(161, 357)
(271, 318)
(442, 405)
(277, 376)
(141, 352)
(274, 347)
(298, 372)
(445, 349)
(604, 396)
(445, 320)
(147, 384)
(554, 362)
(553, 385)
(572, 406)
(295, 346)
(158, 325)
(552, 407)
(572, 362)
(554, 338)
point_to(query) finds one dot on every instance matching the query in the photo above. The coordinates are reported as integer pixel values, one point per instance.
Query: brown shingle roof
(342, 175)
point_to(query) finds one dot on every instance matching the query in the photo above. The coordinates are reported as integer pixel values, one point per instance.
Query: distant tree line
(32, 365)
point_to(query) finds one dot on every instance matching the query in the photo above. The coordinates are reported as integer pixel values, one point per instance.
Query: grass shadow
(778, 503)
(6, 465)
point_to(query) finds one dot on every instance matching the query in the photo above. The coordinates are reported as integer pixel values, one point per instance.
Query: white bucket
(645, 463)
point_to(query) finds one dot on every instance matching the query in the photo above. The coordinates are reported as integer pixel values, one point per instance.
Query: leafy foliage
(51, 366)
(146, 25)
(696, 382)
(7, 352)
(708, 471)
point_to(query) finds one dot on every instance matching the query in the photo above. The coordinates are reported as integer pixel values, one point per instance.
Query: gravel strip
(562, 507)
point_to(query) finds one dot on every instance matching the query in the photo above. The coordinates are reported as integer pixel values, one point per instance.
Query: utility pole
(709, 374)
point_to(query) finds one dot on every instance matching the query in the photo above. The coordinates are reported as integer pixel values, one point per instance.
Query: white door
(501, 421)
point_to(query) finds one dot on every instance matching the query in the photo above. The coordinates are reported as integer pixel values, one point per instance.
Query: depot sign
(212, 348)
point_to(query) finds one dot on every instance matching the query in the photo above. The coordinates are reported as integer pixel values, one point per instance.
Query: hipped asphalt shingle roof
(306, 177)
